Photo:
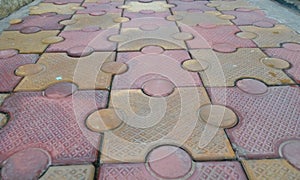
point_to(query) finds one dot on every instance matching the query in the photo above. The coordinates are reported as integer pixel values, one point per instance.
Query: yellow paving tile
(230, 5)
(157, 6)
(85, 172)
(69, 8)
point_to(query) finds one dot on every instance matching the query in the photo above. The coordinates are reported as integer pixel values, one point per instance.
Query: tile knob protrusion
(27, 164)
(158, 88)
(53, 40)
(252, 86)
(146, 11)
(183, 36)
(8, 53)
(114, 67)
(29, 69)
(3, 120)
(30, 30)
(121, 19)
(246, 35)
(99, 13)
(276, 63)
(15, 21)
(224, 48)
(217, 115)
(152, 50)
(60, 90)
(149, 27)
(263, 24)
(226, 17)
(174, 18)
(104, 120)
(80, 51)
(290, 150)
(195, 65)
(291, 46)
(169, 162)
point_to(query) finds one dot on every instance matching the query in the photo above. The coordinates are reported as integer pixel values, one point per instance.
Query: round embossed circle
(114, 67)
(3, 120)
(121, 19)
(26, 164)
(174, 18)
(263, 24)
(246, 35)
(291, 152)
(118, 38)
(60, 90)
(158, 87)
(80, 51)
(149, 27)
(223, 47)
(217, 115)
(29, 69)
(15, 21)
(152, 50)
(292, 46)
(207, 25)
(8, 53)
(30, 30)
(226, 17)
(169, 162)
(195, 65)
(183, 36)
(99, 13)
(146, 11)
(53, 40)
(276, 63)
(252, 86)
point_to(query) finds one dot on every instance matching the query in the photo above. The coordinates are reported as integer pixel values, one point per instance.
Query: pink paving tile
(98, 7)
(265, 120)
(249, 17)
(90, 37)
(10, 60)
(291, 53)
(156, 22)
(159, 65)
(47, 21)
(56, 125)
(190, 5)
(213, 35)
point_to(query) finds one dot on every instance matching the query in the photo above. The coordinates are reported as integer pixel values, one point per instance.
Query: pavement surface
(149, 89)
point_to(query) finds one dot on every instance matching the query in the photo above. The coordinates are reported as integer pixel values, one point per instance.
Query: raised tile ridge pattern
(149, 89)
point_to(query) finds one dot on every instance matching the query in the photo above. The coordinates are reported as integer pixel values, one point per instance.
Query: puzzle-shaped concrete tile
(251, 17)
(85, 172)
(198, 17)
(3, 116)
(267, 116)
(35, 42)
(156, 22)
(90, 38)
(153, 63)
(289, 52)
(101, 20)
(157, 6)
(10, 60)
(289, 151)
(143, 122)
(230, 5)
(223, 69)
(190, 6)
(146, 14)
(219, 38)
(94, 8)
(62, 1)
(269, 37)
(47, 21)
(150, 34)
(42, 8)
(270, 169)
(55, 67)
(53, 121)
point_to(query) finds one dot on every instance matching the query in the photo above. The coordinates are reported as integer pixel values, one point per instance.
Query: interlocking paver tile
(230, 5)
(47, 21)
(190, 6)
(145, 66)
(58, 67)
(212, 36)
(91, 37)
(244, 63)
(63, 1)
(270, 169)
(102, 20)
(28, 43)
(42, 8)
(146, 127)
(272, 37)
(10, 60)
(291, 53)
(91, 8)
(55, 125)
(157, 6)
(156, 22)
(85, 172)
(146, 14)
(266, 117)
(194, 18)
(290, 151)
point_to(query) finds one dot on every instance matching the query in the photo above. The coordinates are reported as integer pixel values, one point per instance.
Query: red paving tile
(97, 7)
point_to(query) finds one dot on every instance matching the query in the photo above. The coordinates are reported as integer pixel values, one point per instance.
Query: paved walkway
(149, 90)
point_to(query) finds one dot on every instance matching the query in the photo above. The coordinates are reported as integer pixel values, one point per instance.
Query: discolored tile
(42, 8)
(55, 125)
(226, 68)
(265, 120)
(230, 5)
(59, 67)
(28, 43)
(85, 172)
(270, 169)
(157, 6)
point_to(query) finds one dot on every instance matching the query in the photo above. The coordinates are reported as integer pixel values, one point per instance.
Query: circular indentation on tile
(291, 46)
(48, 14)
(149, 27)
(158, 87)
(195, 65)
(246, 35)
(30, 30)
(252, 86)
(77, 8)
(168, 5)
(146, 11)
(121, 19)
(217, 115)
(15, 21)
(152, 50)
(60, 3)
(183, 36)
(104, 120)
(290, 150)
(226, 17)
(99, 13)
(169, 162)
(80, 51)
(91, 29)
(8, 53)
(68, 22)
(263, 24)
(118, 38)
(114, 67)
(53, 40)
(29, 69)
(224, 47)
(27, 164)
(174, 18)
(195, 10)
(276, 63)
(145, 1)
(60, 90)
(3, 120)
(207, 25)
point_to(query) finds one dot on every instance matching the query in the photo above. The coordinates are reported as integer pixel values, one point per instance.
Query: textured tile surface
(157, 6)
(68, 8)
(229, 5)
